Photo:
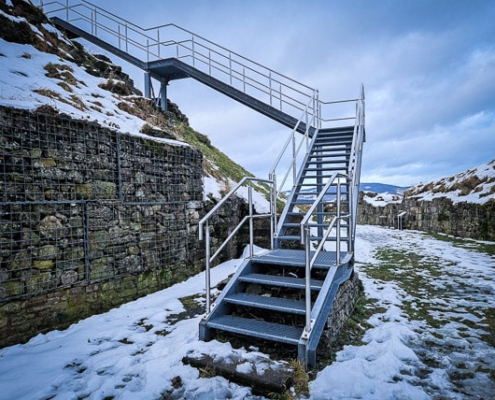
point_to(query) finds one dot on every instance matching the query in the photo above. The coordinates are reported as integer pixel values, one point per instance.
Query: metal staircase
(328, 154)
(286, 294)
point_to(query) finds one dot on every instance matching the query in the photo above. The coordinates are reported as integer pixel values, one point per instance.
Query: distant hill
(382, 188)
(387, 192)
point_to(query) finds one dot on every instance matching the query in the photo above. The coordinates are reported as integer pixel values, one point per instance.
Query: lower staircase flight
(286, 294)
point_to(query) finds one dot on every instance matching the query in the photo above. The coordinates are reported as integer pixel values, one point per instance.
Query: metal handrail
(203, 225)
(355, 160)
(305, 238)
(309, 115)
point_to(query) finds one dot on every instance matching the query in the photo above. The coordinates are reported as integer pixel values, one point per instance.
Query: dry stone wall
(91, 218)
(440, 215)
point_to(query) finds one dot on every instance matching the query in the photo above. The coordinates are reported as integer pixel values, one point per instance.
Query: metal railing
(306, 225)
(325, 117)
(173, 41)
(293, 145)
(352, 177)
(356, 158)
(204, 227)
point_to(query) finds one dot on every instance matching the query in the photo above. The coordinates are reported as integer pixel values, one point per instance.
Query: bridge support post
(147, 85)
(163, 95)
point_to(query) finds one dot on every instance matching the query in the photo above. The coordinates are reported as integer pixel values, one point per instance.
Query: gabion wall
(83, 204)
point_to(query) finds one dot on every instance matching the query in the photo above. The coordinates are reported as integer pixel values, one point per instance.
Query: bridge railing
(172, 41)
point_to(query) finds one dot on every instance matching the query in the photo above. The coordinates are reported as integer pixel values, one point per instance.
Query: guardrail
(204, 226)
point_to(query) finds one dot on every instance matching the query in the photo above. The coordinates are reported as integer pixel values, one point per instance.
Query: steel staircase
(329, 153)
(285, 294)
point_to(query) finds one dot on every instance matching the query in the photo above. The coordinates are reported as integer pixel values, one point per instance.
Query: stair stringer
(219, 306)
(321, 310)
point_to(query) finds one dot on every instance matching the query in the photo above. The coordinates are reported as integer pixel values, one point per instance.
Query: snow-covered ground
(429, 337)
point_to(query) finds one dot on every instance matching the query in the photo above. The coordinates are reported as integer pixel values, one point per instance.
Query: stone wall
(342, 309)
(469, 220)
(91, 218)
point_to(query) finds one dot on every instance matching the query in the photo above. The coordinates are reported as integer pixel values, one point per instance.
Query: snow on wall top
(476, 185)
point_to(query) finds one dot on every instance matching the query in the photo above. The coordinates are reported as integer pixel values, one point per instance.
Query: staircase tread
(297, 258)
(260, 329)
(312, 238)
(284, 281)
(268, 303)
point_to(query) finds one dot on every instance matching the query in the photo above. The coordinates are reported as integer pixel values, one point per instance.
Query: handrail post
(92, 24)
(96, 23)
(158, 42)
(350, 221)
(273, 205)
(119, 34)
(207, 270)
(209, 62)
(308, 278)
(270, 88)
(126, 40)
(244, 79)
(294, 160)
(193, 52)
(251, 222)
(338, 222)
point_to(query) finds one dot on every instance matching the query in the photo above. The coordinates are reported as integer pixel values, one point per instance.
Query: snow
(476, 185)
(22, 72)
(126, 354)
(448, 187)
(382, 199)
(216, 189)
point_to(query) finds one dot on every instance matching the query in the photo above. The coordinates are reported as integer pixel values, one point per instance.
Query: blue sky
(428, 68)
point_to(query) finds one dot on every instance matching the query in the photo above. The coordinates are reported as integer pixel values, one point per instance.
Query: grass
(451, 310)
(479, 246)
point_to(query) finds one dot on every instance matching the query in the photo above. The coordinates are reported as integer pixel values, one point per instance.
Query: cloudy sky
(428, 68)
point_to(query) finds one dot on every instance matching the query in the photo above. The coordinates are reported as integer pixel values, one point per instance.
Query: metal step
(313, 184)
(314, 174)
(281, 281)
(267, 303)
(328, 158)
(314, 194)
(256, 328)
(323, 169)
(347, 140)
(301, 214)
(312, 238)
(333, 153)
(315, 225)
(295, 258)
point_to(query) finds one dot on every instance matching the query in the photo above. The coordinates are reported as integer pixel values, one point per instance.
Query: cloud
(428, 70)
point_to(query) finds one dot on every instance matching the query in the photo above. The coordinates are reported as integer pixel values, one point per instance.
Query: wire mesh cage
(82, 203)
